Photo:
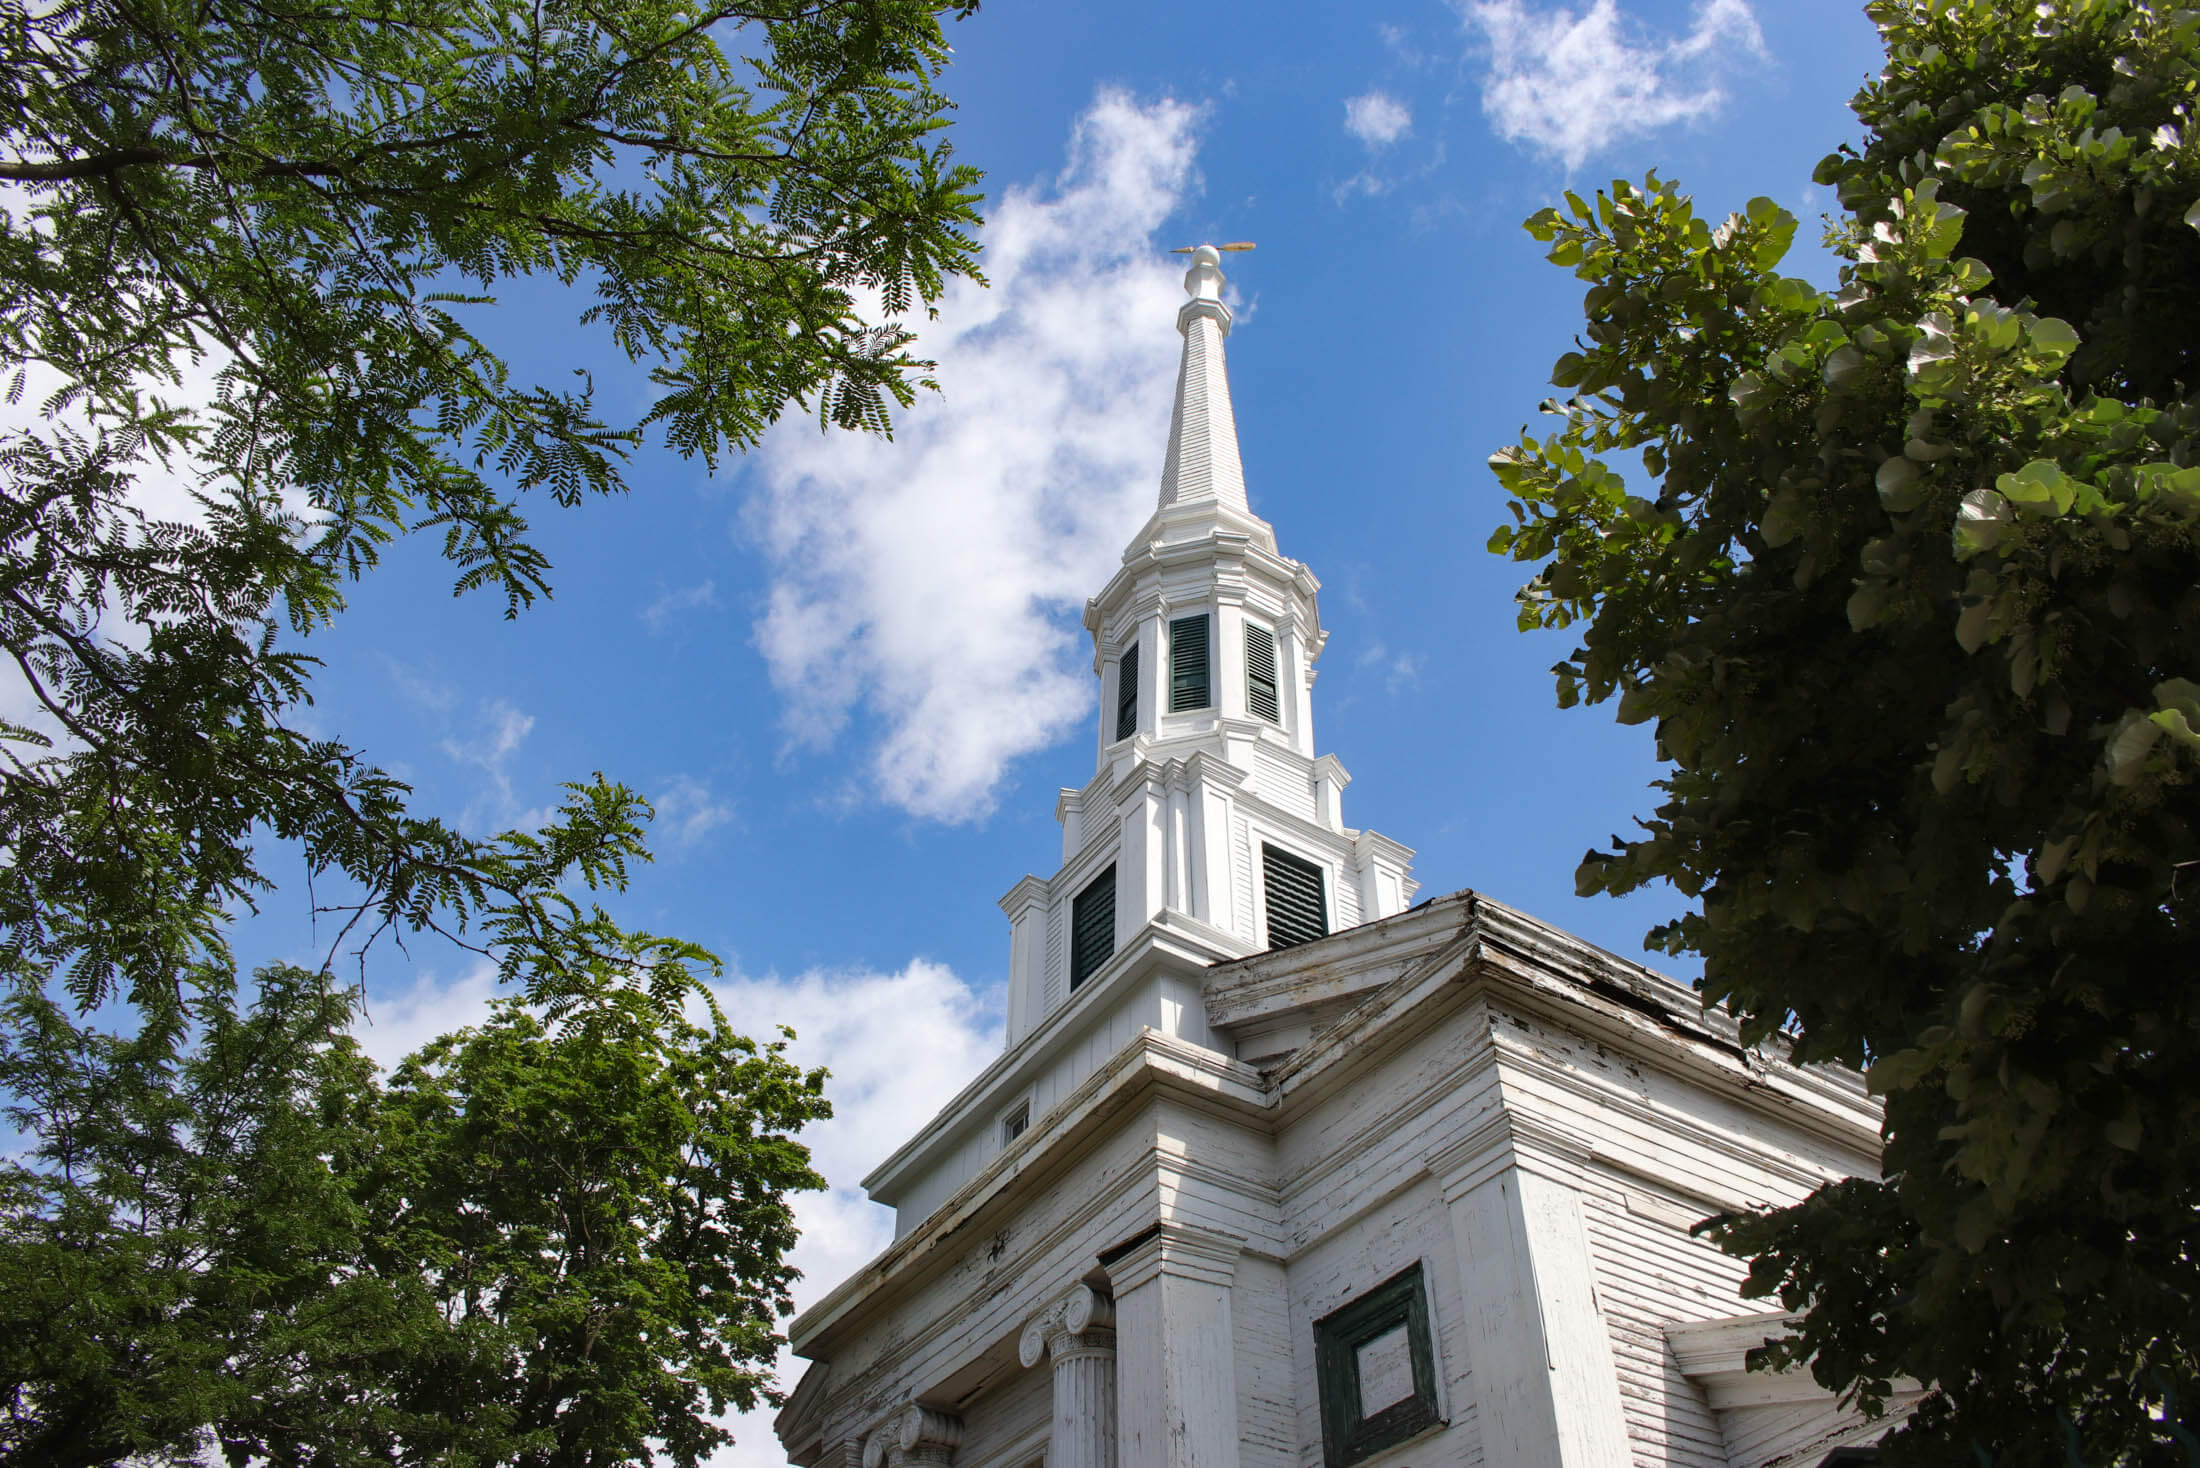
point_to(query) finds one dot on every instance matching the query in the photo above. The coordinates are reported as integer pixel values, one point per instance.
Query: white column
(1546, 1386)
(1183, 856)
(1142, 861)
(1229, 658)
(1176, 1372)
(1292, 704)
(1153, 671)
(1076, 1333)
(1214, 785)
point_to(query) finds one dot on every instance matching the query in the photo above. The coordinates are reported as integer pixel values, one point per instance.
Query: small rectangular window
(1126, 693)
(1188, 681)
(1298, 907)
(1092, 928)
(1016, 1122)
(1375, 1371)
(1260, 675)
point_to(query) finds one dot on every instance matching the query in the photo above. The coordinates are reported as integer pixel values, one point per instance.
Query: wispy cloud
(1377, 119)
(1398, 670)
(687, 811)
(487, 745)
(1570, 83)
(678, 599)
(932, 583)
(1399, 44)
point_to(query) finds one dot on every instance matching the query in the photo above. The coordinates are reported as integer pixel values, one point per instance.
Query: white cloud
(396, 1025)
(678, 599)
(687, 811)
(1377, 119)
(900, 1045)
(931, 584)
(1571, 83)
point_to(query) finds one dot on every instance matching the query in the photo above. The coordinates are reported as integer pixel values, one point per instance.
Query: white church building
(1279, 1170)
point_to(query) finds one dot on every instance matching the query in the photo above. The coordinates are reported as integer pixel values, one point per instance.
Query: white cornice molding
(1265, 984)
(1597, 994)
(1027, 891)
(1178, 1250)
(1508, 1139)
(1151, 1064)
(1714, 1354)
(1375, 843)
(1172, 941)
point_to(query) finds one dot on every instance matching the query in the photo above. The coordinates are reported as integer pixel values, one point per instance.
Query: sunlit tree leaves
(1909, 589)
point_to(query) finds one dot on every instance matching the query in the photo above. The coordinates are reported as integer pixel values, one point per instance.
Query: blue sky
(851, 675)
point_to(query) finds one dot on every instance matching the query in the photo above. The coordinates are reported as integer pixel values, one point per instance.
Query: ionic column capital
(914, 1435)
(1081, 1322)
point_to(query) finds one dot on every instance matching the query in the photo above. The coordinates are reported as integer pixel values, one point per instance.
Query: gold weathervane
(1232, 246)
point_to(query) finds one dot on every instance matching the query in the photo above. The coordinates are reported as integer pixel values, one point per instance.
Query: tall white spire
(1203, 462)
(1212, 827)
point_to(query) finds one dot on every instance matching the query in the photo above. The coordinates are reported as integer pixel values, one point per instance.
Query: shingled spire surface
(1203, 462)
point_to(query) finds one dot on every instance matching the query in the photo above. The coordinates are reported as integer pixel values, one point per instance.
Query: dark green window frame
(1126, 693)
(1348, 1434)
(1190, 685)
(1260, 675)
(1092, 928)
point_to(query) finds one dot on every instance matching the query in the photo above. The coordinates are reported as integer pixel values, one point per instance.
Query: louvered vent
(1126, 693)
(1260, 674)
(1188, 664)
(1092, 928)
(1297, 912)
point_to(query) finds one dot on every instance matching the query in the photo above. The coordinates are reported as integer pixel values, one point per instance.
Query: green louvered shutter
(1126, 693)
(1260, 674)
(1188, 684)
(1297, 911)
(1092, 928)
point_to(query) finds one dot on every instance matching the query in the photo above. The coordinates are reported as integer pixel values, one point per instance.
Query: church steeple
(1210, 828)
(1203, 462)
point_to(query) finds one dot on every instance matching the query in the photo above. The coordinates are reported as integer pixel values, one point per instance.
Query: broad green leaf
(2040, 487)
(1898, 483)
(2135, 736)
(1982, 519)
(1784, 517)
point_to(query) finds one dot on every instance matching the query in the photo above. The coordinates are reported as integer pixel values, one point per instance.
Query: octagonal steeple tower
(1211, 829)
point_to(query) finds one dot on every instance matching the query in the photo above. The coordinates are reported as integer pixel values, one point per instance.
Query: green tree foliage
(249, 260)
(314, 205)
(544, 1246)
(1914, 604)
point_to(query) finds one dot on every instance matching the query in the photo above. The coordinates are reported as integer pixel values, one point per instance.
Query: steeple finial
(1203, 461)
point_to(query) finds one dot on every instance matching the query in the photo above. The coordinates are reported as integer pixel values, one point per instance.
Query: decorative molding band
(1180, 1250)
(1508, 1139)
(1078, 1325)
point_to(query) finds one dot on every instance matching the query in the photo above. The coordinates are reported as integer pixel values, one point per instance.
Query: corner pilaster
(1026, 906)
(1176, 1369)
(1547, 1389)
